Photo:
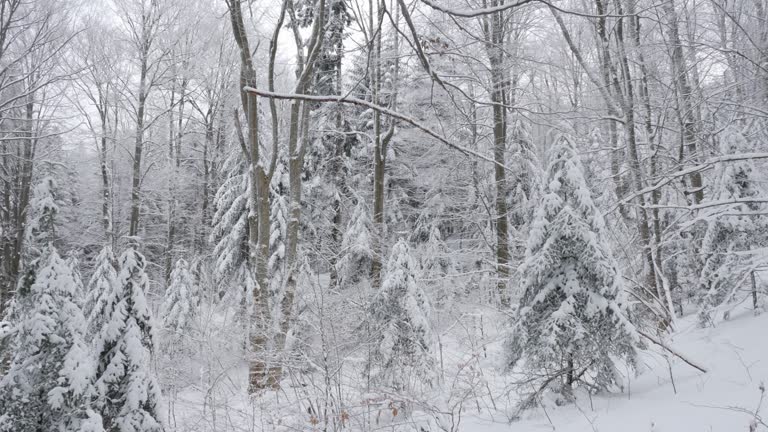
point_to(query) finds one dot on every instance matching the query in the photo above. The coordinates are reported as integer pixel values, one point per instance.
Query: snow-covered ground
(668, 395)
(723, 400)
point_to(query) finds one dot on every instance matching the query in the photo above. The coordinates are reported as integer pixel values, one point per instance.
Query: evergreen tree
(74, 266)
(735, 229)
(100, 288)
(278, 228)
(128, 394)
(230, 221)
(356, 248)
(50, 381)
(40, 232)
(399, 320)
(182, 299)
(572, 319)
(437, 268)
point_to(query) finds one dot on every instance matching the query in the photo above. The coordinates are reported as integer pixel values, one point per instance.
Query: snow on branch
(472, 13)
(671, 351)
(383, 110)
(709, 163)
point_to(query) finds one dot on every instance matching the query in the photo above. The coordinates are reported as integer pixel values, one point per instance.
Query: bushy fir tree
(572, 319)
(99, 289)
(182, 300)
(128, 394)
(40, 232)
(735, 229)
(399, 322)
(278, 227)
(51, 377)
(229, 231)
(354, 266)
(437, 268)
(74, 264)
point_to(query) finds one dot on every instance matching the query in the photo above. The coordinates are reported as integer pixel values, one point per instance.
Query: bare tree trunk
(379, 146)
(258, 217)
(133, 229)
(175, 162)
(205, 217)
(494, 30)
(27, 167)
(610, 81)
(685, 94)
(297, 136)
(628, 102)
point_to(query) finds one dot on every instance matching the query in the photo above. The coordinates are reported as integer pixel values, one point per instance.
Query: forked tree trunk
(258, 217)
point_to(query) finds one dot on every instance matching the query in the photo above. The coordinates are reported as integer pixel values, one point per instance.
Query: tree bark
(494, 30)
(133, 229)
(258, 216)
(685, 95)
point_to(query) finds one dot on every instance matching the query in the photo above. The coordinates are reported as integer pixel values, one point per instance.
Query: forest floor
(727, 398)
(667, 396)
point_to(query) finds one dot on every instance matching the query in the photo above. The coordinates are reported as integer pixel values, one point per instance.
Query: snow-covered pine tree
(356, 248)
(229, 232)
(399, 322)
(177, 348)
(50, 381)
(182, 299)
(128, 393)
(74, 266)
(40, 232)
(572, 320)
(39, 237)
(437, 268)
(735, 229)
(100, 288)
(278, 228)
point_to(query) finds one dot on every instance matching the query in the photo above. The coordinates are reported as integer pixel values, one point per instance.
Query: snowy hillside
(726, 399)
(667, 396)
(383, 215)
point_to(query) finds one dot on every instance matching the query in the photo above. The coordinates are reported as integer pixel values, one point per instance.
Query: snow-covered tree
(399, 322)
(356, 248)
(278, 227)
(51, 377)
(230, 221)
(40, 231)
(74, 265)
(100, 287)
(182, 299)
(572, 319)
(736, 228)
(437, 268)
(128, 393)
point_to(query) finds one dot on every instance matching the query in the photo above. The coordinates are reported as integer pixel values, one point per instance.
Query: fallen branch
(671, 351)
